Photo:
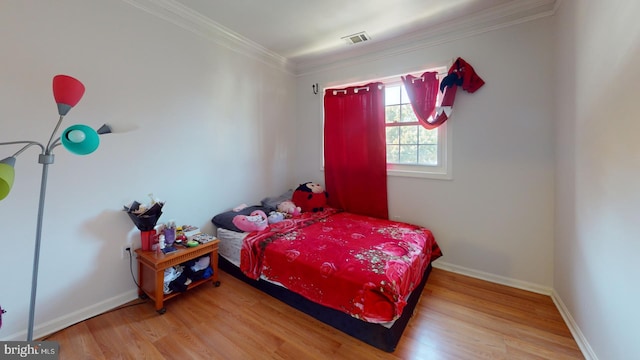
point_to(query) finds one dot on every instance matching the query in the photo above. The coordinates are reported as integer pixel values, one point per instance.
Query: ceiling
(304, 31)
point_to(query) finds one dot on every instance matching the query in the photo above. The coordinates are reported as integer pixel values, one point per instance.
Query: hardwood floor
(458, 317)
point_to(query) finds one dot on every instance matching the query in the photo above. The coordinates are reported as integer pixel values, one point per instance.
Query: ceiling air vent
(356, 38)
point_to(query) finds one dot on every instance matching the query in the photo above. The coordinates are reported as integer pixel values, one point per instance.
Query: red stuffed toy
(311, 197)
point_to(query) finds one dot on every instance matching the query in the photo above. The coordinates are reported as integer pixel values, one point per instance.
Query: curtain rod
(355, 90)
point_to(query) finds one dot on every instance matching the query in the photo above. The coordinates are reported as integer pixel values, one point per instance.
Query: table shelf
(151, 267)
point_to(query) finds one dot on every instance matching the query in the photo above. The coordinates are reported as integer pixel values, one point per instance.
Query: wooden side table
(151, 267)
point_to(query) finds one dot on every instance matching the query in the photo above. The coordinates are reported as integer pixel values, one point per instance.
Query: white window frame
(442, 171)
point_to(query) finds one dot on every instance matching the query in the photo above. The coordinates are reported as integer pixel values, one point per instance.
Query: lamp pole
(45, 160)
(78, 139)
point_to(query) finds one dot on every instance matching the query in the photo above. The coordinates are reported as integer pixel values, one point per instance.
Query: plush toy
(255, 221)
(289, 208)
(310, 197)
(275, 217)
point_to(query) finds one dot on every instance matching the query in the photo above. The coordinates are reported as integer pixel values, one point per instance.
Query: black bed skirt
(373, 334)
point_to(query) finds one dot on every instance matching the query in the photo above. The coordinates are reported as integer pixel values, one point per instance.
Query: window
(413, 150)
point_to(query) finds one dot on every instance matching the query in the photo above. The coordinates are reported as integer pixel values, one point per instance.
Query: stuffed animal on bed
(275, 217)
(289, 208)
(256, 221)
(310, 196)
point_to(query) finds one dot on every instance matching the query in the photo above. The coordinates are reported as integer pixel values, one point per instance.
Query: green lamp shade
(7, 174)
(80, 139)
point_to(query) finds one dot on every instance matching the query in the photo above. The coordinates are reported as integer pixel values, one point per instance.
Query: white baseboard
(67, 320)
(583, 344)
(108, 304)
(577, 334)
(518, 284)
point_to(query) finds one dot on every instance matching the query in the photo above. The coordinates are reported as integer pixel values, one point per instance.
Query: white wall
(210, 131)
(188, 102)
(598, 166)
(496, 216)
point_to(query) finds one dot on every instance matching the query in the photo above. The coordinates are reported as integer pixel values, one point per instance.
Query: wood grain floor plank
(457, 318)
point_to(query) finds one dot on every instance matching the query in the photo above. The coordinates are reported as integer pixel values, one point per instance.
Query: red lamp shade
(67, 91)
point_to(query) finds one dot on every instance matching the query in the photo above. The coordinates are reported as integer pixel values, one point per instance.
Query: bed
(361, 275)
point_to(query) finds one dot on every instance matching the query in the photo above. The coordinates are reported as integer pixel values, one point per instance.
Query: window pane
(392, 113)
(409, 134)
(403, 95)
(428, 136)
(428, 155)
(408, 154)
(392, 95)
(412, 150)
(393, 135)
(393, 154)
(407, 114)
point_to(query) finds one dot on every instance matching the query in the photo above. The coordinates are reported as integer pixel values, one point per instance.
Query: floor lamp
(78, 139)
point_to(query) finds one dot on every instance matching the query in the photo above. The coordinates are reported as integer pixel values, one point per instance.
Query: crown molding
(557, 5)
(512, 13)
(499, 17)
(190, 20)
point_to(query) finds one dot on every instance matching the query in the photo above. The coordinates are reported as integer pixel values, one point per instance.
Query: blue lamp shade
(80, 139)
(7, 174)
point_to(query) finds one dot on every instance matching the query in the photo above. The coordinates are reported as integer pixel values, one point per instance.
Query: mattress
(388, 260)
(230, 246)
(392, 250)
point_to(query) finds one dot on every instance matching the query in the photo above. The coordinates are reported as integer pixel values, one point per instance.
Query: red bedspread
(363, 266)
